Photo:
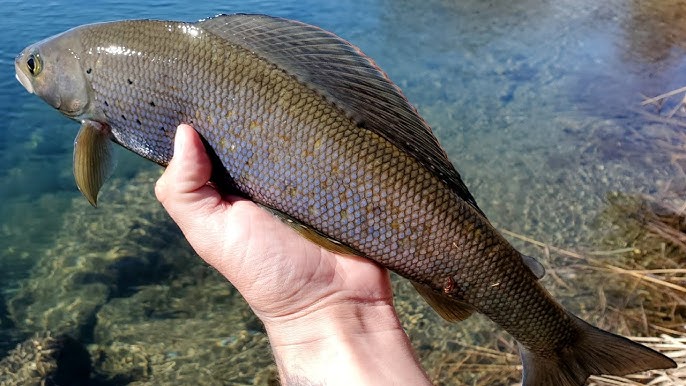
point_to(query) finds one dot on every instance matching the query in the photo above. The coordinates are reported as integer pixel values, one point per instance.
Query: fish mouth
(22, 78)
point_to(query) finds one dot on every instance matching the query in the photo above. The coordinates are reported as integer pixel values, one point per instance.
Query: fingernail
(178, 141)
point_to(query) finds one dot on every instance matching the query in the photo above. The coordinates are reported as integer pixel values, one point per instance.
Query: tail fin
(594, 352)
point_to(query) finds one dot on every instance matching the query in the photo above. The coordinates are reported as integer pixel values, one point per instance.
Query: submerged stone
(46, 360)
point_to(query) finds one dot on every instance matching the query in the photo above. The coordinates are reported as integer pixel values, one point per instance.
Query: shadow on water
(656, 32)
(8, 332)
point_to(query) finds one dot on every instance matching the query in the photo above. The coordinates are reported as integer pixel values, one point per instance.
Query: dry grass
(674, 347)
(655, 226)
(645, 265)
(664, 310)
(662, 314)
(639, 279)
(496, 367)
(664, 289)
(669, 109)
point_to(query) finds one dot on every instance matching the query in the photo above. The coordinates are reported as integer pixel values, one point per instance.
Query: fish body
(301, 122)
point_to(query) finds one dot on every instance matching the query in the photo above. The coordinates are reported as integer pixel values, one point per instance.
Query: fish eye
(34, 64)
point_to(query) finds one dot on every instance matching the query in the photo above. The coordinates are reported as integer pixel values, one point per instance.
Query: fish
(302, 122)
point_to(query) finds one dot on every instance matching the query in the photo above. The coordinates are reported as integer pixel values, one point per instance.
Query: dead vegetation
(639, 274)
(669, 110)
(658, 321)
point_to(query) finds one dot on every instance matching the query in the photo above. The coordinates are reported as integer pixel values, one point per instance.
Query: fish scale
(304, 124)
(263, 165)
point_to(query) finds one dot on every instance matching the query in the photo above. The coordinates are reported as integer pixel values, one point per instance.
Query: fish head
(52, 70)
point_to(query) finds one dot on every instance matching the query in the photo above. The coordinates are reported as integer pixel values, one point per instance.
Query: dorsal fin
(345, 76)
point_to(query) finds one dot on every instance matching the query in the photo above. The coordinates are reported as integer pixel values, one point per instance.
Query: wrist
(349, 343)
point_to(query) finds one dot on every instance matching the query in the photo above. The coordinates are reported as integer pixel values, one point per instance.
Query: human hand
(307, 296)
(281, 274)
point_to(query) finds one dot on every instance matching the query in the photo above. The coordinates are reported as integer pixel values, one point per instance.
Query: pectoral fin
(93, 161)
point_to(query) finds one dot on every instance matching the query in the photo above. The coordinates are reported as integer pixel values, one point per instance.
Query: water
(537, 103)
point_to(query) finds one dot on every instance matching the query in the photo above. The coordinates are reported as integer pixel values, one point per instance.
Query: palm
(270, 261)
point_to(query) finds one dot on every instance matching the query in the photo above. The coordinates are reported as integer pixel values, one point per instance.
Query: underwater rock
(98, 254)
(6, 328)
(124, 278)
(195, 329)
(46, 360)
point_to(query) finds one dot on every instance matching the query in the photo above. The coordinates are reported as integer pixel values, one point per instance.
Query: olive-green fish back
(346, 77)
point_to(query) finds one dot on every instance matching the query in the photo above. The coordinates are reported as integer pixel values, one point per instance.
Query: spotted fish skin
(288, 148)
(303, 123)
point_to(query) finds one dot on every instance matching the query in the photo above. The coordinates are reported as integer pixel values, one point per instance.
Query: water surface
(537, 103)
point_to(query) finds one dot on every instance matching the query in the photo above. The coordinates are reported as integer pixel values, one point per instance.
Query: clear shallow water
(537, 103)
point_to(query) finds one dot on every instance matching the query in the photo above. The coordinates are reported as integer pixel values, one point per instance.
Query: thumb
(183, 189)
